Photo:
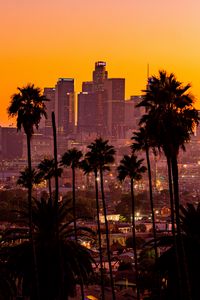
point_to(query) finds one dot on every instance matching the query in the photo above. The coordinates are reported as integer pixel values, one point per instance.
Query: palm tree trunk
(99, 236)
(175, 242)
(151, 200)
(75, 225)
(171, 195)
(31, 217)
(107, 234)
(74, 203)
(29, 186)
(60, 266)
(50, 192)
(183, 262)
(176, 192)
(153, 215)
(56, 161)
(134, 239)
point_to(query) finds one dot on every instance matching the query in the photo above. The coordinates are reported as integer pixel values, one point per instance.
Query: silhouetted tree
(170, 120)
(103, 155)
(89, 165)
(141, 142)
(132, 168)
(29, 107)
(71, 159)
(75, 259)
(47, 171)
(26, 178)
(190, 226)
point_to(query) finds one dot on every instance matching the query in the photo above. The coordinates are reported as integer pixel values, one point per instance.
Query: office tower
(101, 104)
(115, 88)
(99, 76)
(91, 102)
(133, 114)
(115, 91)
(91, 112)
(41, 146)
(130, 120)
(86, 112)
(70, 112)
(11, 142)
(49, 93)
(65, 105)
(139, 111)
(88, 86)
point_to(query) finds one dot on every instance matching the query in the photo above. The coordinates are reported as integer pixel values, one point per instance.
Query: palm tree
(7, 282)
(170, 120)
(132, 168)
(89, 165)
(141, 142)
(171, 112)
(25, 178)
(28, 106)
(190, 225)
(75, 259)
(71, 158)
(47, 171)
(61, 292)
(103, 155)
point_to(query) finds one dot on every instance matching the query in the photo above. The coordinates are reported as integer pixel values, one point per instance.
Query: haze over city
(45, 40)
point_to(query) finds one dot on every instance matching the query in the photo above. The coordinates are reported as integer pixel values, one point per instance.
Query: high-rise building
(133, 114)
(65, 105)
(49, 93)
(91, 112)
(86, 112)
(101, 104)
(99, 76)
(11, 143)
(88, 86)
(115, 90)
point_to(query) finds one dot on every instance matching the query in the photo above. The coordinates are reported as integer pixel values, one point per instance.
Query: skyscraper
(49, 93)
(91, 102)
(11, 143)
(101, 104)
(99, 76)
(91, 114)
(65, 105)
(115, 91)
(133, 114)
(88, 86)
(86, 112)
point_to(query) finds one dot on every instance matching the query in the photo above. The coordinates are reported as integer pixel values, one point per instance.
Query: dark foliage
(56, 277)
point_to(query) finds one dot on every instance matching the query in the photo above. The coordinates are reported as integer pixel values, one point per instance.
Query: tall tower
(101, 104)
(87, 112)
(115, 105)
(49, 93)
(99, 75)
(65, 105)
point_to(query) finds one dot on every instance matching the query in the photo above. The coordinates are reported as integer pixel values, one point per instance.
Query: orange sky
(42, 40)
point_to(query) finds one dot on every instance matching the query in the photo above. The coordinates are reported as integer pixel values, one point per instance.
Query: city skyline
(41, 42)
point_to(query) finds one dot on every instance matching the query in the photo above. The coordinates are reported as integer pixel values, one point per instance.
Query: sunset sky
(42, 40)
